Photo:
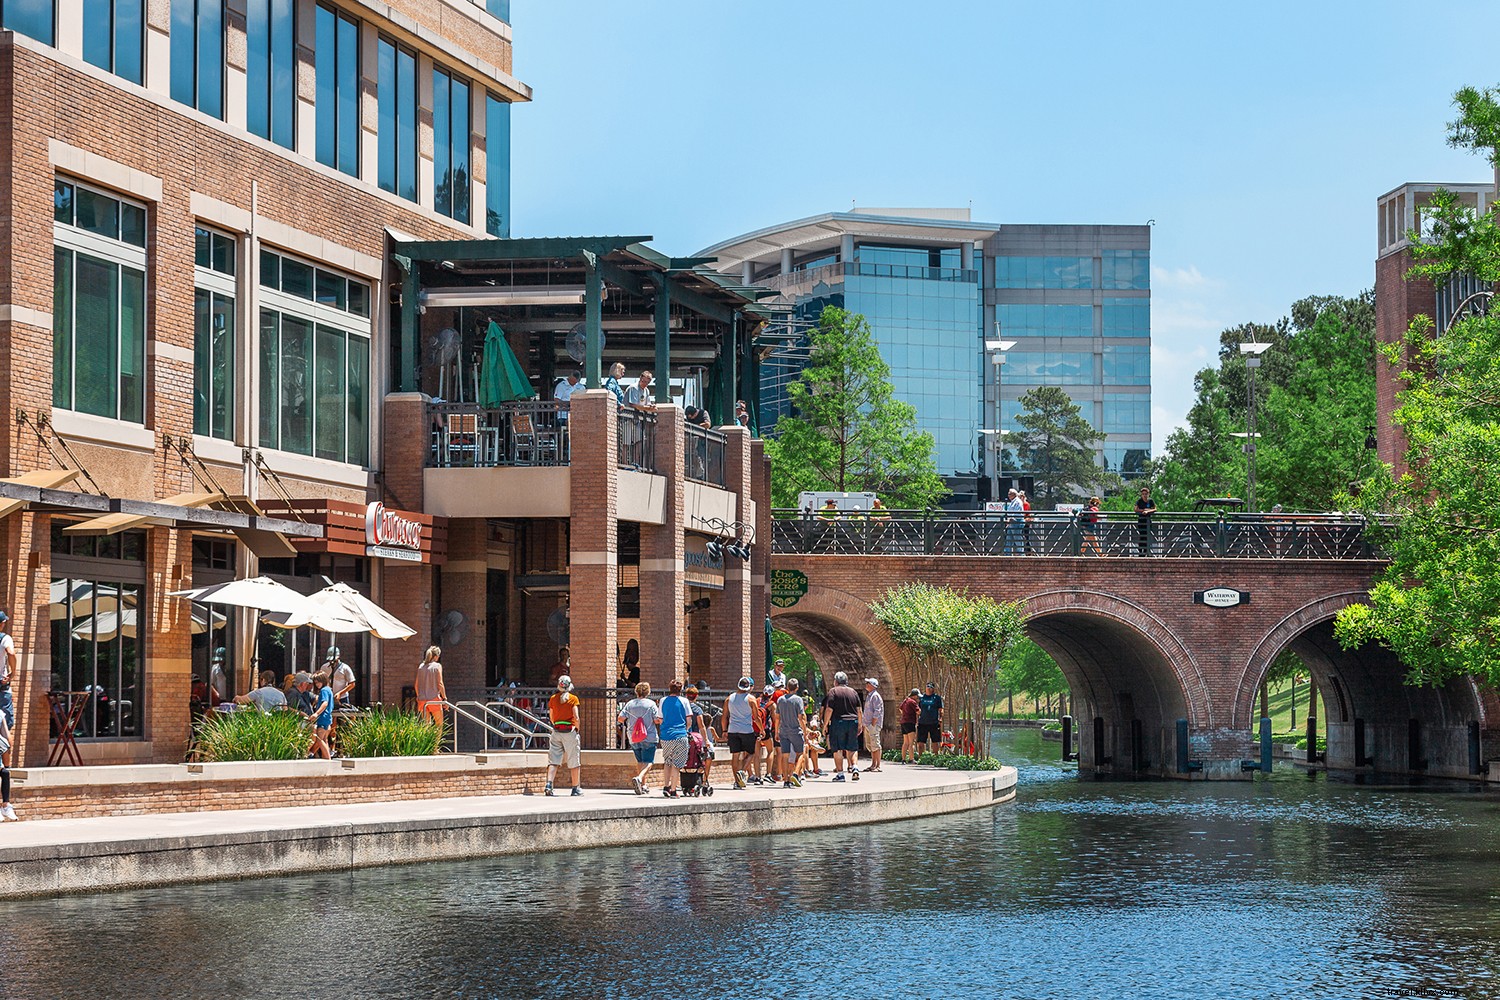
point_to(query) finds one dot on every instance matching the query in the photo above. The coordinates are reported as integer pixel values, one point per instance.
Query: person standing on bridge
(1015, 537)
(1144, 508)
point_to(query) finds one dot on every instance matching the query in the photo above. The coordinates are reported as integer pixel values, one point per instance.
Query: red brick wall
(1397, 302)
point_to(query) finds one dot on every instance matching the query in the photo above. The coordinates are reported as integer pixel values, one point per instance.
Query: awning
(49, 479)
(54, 501)
(113, 524)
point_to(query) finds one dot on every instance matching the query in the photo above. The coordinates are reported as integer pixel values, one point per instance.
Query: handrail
(704, 454)
(459, 711)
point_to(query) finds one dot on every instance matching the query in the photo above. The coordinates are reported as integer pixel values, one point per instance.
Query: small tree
(1056, 447)
(847, 431)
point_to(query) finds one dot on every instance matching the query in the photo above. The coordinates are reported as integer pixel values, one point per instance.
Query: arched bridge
(1180, 623)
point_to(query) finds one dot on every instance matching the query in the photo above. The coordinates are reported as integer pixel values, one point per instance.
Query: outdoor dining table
(67, 710)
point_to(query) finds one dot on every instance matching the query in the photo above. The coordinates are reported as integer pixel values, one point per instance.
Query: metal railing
(703, 454)
(1115, 534)
(526, 433)
(637, 439)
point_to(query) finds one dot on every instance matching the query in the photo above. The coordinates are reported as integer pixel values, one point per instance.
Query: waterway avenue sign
(1221, 597)
(788, 586)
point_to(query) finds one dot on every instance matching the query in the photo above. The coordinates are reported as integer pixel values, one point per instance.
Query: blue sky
(1257, 136)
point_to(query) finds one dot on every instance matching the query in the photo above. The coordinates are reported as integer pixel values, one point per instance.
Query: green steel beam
(593, 312)
(663, 337)
(516, 249)
(699, 303)
(731, 361)
(410, 322)
(622, 278)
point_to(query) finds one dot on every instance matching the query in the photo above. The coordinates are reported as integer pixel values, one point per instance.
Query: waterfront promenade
(46, 857)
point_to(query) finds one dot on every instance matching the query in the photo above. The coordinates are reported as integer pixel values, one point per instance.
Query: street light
(1252, 351)
(997, 348)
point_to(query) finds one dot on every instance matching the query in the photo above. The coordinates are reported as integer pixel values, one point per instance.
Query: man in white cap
(564, 745)
(778, 675)
(871, 720)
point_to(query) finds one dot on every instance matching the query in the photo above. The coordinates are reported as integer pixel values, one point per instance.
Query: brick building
(202, 322)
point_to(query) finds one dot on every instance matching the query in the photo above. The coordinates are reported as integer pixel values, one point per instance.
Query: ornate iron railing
(637, 440)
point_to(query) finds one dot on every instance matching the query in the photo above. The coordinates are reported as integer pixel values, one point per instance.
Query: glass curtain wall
(271, 70)
(338, 90)
(197, 44)
(396, 89)
(450, 146)
(113, 34)
(497, 167)
(33, 18)
(214, 340)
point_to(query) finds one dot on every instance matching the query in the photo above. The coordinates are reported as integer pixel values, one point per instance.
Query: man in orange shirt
(564, 745)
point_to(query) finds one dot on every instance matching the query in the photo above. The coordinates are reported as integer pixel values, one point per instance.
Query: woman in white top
(641, 717)
(430, 690)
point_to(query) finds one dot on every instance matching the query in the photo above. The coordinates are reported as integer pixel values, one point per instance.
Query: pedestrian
(765, 736)
(930, 719)
(909, 709)
(564, 743)
(700, 723)
(815, 747)
(631, 664)
(341, 679)
(641, 718)
(321, 715)
(1026, 518)
(431, 693)
(676, 714)
(1015, 536)
(7, 811)
(778, 674)
(841, 722)
(1144, 508)
(791, 719)
(1088, 523)
(872, 720)
(739, 709)
(9, 664)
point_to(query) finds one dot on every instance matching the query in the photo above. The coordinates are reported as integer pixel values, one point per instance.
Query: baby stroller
(692, 772)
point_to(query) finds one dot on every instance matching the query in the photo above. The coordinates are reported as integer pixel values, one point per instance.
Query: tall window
(497, 166)
(314, 361)
(98, 303)
(213, 334)
(98, 607)
(450, 146)
(36, 18)
(112, 36)
(397, 99)
(338, 90)
(271, 70)
(198, 54)
(500, 8)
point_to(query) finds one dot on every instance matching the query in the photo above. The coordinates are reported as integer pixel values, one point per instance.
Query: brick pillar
(760, 553)
(463, 589)
(25, 537)
(405, 440)
(663, 580)
(593, 537)
(730, 641)
(163, 686)
(405, 588)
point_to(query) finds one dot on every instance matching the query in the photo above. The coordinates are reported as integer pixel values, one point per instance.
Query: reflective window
(304, 281)
(396, 90)
(1044, 272)
(113, 36)
(213, 250)
(1126, 269)
(450, 146)
(197, 44)
(214, 341)
(96, 645)
(1049, 368)
(497, 166)
(99, 303)
(271, 70)
(1127, 414)
(33, 18)
(910, 256)
(500, 8)
(337, 47)
(1127, 317)
(1045, 320)
(1127, 365)
(1129, 460)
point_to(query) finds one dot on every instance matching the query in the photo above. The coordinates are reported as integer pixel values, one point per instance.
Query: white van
(812, 501)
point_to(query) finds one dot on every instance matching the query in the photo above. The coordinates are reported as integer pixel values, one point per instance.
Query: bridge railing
(1114, 534)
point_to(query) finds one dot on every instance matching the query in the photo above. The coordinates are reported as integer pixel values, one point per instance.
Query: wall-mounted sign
(1221, 597)
(699, 568)
(788, 586)
(388, 535)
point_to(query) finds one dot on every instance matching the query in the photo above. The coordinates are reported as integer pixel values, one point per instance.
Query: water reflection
(1079, 889)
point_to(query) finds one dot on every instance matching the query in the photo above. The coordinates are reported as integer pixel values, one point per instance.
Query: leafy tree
(1056, 446)
(1202, 459)
(1435, 605)
(799, 662)
(847, 431)
(1028, 668)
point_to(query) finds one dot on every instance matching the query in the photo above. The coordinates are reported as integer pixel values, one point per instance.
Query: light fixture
(1370, 443)
(504, 295)
(999, 345)
(1254, 348)
(714, 550)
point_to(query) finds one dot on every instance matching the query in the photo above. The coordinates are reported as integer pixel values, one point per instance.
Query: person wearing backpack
(641, 716)
(739, 709)
(676, 713)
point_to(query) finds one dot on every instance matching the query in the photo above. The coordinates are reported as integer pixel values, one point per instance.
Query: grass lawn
(1281, 709)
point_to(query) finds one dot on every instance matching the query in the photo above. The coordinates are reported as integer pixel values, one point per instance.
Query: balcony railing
(637, 440)
(703, 454)
(1174, 535)
(470, 436)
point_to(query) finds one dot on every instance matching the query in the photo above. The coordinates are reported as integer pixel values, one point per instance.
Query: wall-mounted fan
(452, 627)
(578, 343)
(557, 626)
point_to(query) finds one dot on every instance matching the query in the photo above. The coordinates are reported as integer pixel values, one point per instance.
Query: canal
(1281, 887)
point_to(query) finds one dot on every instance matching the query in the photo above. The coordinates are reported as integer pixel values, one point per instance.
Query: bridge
(1180, 623)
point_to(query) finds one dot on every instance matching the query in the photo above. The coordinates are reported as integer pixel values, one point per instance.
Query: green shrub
(389, 732)
(959, 762)
(253, 735)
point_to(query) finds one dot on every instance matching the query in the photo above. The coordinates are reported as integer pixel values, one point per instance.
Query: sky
(1255, 138)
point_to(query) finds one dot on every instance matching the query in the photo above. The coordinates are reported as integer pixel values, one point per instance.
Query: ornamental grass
(252, 735)
(389, 732)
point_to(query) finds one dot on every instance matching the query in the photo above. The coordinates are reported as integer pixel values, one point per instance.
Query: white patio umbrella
(83, 598)
(104, 625)
(343, 602)
(264, 594)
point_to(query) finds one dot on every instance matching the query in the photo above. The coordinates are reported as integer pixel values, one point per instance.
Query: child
(321, 715)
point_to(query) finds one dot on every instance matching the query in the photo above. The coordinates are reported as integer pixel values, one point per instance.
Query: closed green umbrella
(501, 378)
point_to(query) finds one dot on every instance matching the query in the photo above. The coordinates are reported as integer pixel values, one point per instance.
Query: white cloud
(1188, 311)
(1176, 278)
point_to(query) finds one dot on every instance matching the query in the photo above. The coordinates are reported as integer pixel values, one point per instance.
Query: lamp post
(997, 349)
(1252, 352)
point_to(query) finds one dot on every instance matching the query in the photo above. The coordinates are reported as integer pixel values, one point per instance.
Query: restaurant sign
(699, 568)
(788, 586)
(388, 535)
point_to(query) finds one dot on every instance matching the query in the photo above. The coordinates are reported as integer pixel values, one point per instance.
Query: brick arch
(841, 634)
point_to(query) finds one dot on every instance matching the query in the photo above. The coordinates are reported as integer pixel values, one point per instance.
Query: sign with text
(699, 568)
(1221, 597)
(788, 586)
(388, 535)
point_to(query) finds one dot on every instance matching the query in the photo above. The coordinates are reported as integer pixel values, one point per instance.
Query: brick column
(405, 439)
(405, 588)
(463, 590)
(760, 554)
(165, 677)
(25, 537)
(730, 642)
(663, 580)
(593, 537)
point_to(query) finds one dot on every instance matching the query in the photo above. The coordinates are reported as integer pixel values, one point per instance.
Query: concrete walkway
(46, 857)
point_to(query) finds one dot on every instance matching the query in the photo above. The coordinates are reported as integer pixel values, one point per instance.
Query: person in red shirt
(909, 727)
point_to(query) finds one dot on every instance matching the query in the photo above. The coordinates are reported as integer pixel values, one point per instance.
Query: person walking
(739, 709)
(321, 715)
(641, 718)
(930, 719)
(1144, 508)
(777, 679)
(909, 709)
(1026, 518)
(700, 723)
(1088, 523)
(1015, 539)
(676, 714)
(872, 720)
(765, 737)
(841, 722)
(564, 744)
(430, 690)
(791, 722)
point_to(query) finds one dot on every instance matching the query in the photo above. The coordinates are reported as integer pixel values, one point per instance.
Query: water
(1079, 890)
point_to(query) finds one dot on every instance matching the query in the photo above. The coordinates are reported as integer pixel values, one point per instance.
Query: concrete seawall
(52, 857)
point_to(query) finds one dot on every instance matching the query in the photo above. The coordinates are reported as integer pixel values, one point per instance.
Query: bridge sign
(1221, 597)
(787, 587)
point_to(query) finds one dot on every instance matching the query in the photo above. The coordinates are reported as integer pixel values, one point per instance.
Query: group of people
(636, 396)
(316, 695)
